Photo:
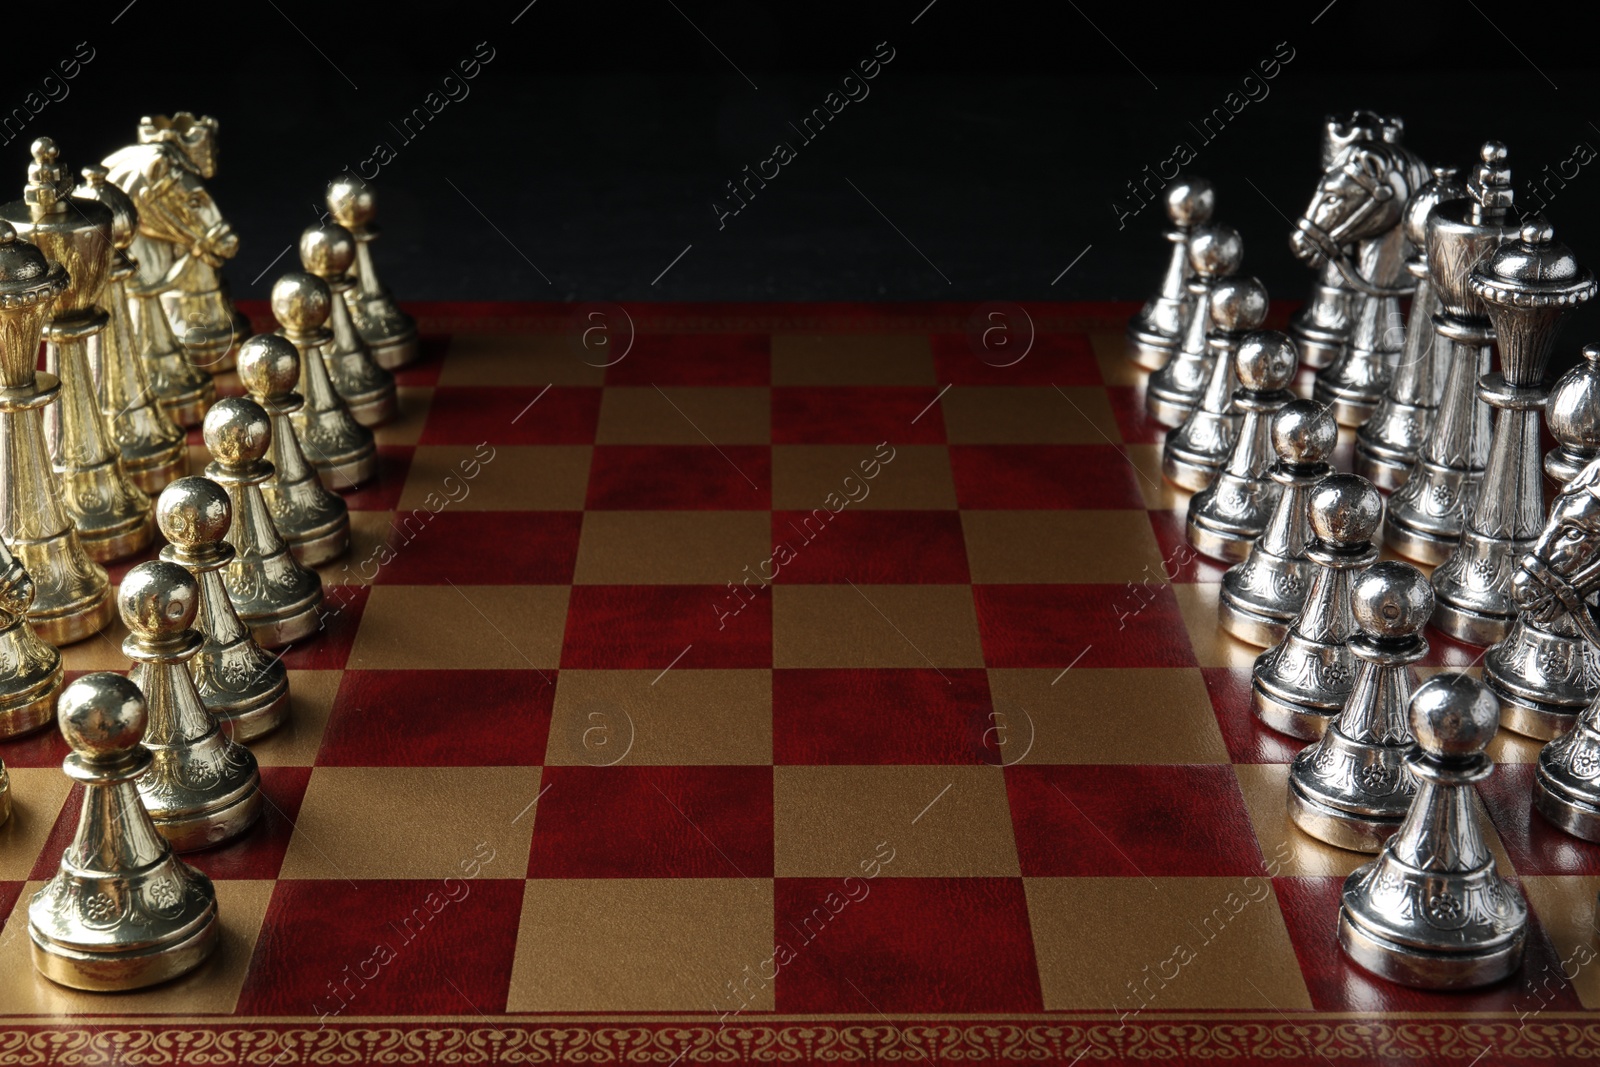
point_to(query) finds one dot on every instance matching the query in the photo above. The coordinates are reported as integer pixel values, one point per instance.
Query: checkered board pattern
(801, 686)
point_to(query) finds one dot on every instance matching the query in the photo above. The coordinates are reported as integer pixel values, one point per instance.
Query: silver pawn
(390, 333)
(340, 448)
(1173, 391)
(1431, 911)
(1351, 788)
(121, 912)
(244, 689)
(1227, 516)
(1301, 683)
(1263, 595)
(1192, 453)
(1155, 333)
(367, 389)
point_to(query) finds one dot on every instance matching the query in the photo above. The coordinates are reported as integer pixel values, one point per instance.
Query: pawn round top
(351, 201)
(1445, 185)
(158, 599)
(124, 214)
(237, 431)
(1304, 431)
(1266, 361)
(327, 251)
(1215, 251)
(1493, 152)
(301, 301)
(1452, 715)
(1238, 303)
(1345, 509)
(269, 365)
(1572, 410)
(1391, 599)
(102, 715)
(1190, 201)
(193, 512)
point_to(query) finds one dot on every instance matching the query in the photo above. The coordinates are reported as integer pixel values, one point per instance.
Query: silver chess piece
(1173, 391)
(271, 592)
(1426, 514)
(1300, 684)
(1262, 596)
(390, 334)
(1227, 516)
(121, 912)
(1155, 333)
(244, 689)
(1351, 788)
(1431, 911)
(312, 519)
(1192, 453)
(1388, 442)
(1529, 286)
(1566, 783)
(340, 448)
(367, 389)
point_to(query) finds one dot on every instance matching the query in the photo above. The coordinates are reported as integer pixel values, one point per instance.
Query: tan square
(851, 359)
(369, 532)
(1061, 546)
(515, 478)
(1565, 904)
(686, 547)
(1159, 494)
(409, 822)
(211, 988)
(647, 415)
(642, 944)
(296, 742)
(406, 427)
(1127, 715)
(916, 477)
(469, 627)
(517, 359)
(1111, 352)
(1212, 647)
(942, 821)
(874, 626)
(1005, 415)
(682, 717)
(37, 794)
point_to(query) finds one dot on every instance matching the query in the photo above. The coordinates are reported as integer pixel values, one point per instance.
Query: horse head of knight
(1562, 569)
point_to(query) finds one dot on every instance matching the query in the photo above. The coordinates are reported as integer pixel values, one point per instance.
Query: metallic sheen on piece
(340, 448)
(1426, 514)
(1431, 911)
(122, 911)
(183, 238)
(1262, 596)
(1192, 453)
(113, 516)
(245, 689)
(1173, 391)
(367, 389)
(390, 334)
(1300, 684)
(1351, 788)
(1227, 516)
(30, 669)
(1566, 783)
(311, 518)
(1529, 286)
(72, 597)
(1388, 442)
(1155, 333)
(5, 794)
(153, 448)
(272, 593)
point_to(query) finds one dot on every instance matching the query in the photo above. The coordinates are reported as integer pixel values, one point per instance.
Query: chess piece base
(1472, 627)
(156, 471)
(1342, 829)
(1575, 815)
(188, 408)
(110, 544)
(1219, 542)
(1546, 722)
(347, 474)
(190, 833)
(1318, 347)
(1348, 409)
(120, 971)
(288, 628)
(1419, 969)
(32, 708)
(1421, 545)
(1249, 625)
(1147, 348)
(315, 549)
(1169, 410)
(248, 724)
(406, 349)
(1288, 717)
(375, 410)
(71, 623)
(1388, 473)
(1189, 472)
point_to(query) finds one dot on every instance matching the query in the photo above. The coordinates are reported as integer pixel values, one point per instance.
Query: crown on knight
(195, 137)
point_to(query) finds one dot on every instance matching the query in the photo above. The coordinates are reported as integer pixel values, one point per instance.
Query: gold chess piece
(5, 794)
(312, 519)
(122, 911)
(273, 594)
(366, 388)
(30, 670)
(152, 447)
(113, 516)
(202, 788)
(183, 390)
(244, 689)
(390, 334)
(340, 448)
(72, 597)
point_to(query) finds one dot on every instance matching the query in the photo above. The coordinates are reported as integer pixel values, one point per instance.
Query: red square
(1535, 845)
(695, 359)
(1133, 418)
(9, 894)
(1446, 651)
(869, 947)
(877, 547)
(681, 477)
(45, 747)
(653, 822)
(1247, 739)
(1181, 561)
(648, 627)
(438, 719)
(383, 492)
(1131, 820)
(385, 947)
(48, 860)
(259, 852)
(1051, 625)
(479, 548)
(882, 716)
(1025, 477)
(329, 648)
(512, 415)
(1043, 359)
(849, 415)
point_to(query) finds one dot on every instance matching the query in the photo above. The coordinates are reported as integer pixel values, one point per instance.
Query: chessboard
(771, 684)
